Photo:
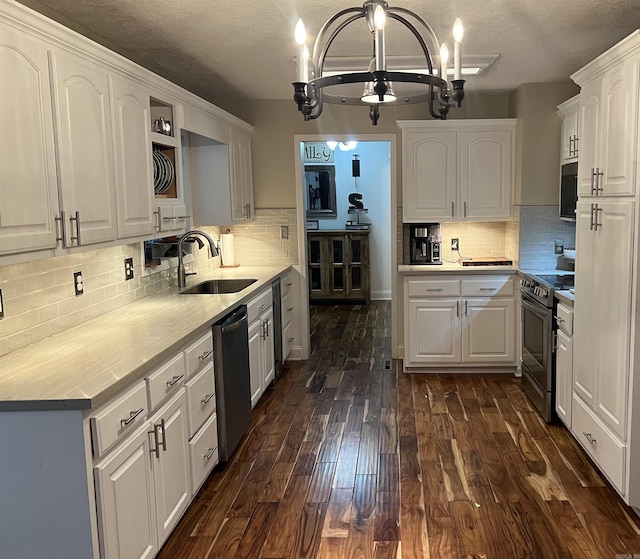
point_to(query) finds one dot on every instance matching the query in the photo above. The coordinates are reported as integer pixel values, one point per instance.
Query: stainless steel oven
(538, 352)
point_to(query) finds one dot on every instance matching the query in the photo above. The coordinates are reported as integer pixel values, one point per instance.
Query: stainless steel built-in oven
(538, 353)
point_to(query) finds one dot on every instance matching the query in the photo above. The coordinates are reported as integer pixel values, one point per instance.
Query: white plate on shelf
(163, 172)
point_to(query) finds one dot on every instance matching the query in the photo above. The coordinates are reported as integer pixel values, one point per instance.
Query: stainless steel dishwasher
(233, 388)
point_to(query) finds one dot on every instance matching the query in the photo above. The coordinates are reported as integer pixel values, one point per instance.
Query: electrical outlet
(128, 268)
(1, 305)
(455, 244)
(558, 247)
(284, 231)
(78, 283)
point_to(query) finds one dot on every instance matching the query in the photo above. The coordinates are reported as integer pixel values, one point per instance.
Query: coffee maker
(425, 240)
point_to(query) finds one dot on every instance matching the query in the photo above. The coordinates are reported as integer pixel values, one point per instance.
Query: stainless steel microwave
(568, 191)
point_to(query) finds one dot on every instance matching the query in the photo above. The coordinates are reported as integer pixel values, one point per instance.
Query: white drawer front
(199, 354)
(488, 287)
(201, 398)
(259, 305)
(287, 309)
(564, 318)
(288, 339)
(118, 418)
(605, 449)
(433, 288)
(165, 380)
(203, 452)
(286, 284)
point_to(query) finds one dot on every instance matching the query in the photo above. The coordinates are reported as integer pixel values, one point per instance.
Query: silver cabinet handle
(206, 399)
(174, 380)
(434, 289)
(63, 229)
(289, 284)
(575, 145)
(558, 319)
(452, 209)
(555, 341)
(132, 416)
(183, 217)
(266, 328)
(156, 440)
(598, 174)
(457, 309)
(591, 216)
(263, 334)
(76, 218)
(593, 180)
(464, 212)
(157, 219)
(465, 308)
(209, 454)
(163, 442)
(588, 436)
(170, 218)
(289, 309)
(595, 218)
(488, 288)
(205, 355)
(290, 340)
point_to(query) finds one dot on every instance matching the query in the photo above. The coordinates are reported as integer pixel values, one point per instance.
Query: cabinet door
(613, 303)
(125, 500)
(134, 190)
(618, 145)
(28, 188)
(590, 109)
(358, 267)
(84, 132)
(241, 176)
(268, 373)
(585, 317)
(318, 271)
(429, 167)
(255, 360)
(486, 176)
(564, 377)
(338, 261)
(432, 331)
(569, 136)
(171, 468)
(488, 330)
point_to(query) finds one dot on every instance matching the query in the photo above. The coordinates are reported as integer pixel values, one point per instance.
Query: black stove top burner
(557, 281)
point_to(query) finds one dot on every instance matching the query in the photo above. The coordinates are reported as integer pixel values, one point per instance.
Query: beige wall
(277, 121)
(538, 140)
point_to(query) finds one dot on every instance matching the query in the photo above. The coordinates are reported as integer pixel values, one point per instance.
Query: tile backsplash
(39, 298)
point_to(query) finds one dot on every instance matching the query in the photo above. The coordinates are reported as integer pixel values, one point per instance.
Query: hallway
(347, 457)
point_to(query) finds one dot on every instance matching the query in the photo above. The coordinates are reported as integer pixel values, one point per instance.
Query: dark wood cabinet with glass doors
(338, 266)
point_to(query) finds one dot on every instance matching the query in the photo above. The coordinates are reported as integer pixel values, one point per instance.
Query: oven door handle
(542, 312)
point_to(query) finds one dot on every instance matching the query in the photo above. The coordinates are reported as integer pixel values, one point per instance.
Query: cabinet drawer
(605, 449)
(201, 398)
(286, 284)
(288, 339)
(165, 380)
(564, 319)
(203, 452)
(118, 418)
(258, 305)
(433, 288)
(287, 309)
(198, 354)
(488, 287)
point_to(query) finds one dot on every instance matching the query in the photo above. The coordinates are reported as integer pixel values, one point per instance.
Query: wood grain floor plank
(364, 441)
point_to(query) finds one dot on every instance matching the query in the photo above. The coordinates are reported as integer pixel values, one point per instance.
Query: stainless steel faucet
(182, 274)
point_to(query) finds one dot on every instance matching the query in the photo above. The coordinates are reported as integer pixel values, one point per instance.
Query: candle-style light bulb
(458, 32)
(379, 18)
(444, 58)
(300, 35)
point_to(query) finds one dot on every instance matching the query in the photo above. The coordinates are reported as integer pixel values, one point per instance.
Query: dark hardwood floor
(348, 457)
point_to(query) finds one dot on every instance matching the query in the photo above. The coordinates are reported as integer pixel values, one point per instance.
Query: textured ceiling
(235, 48)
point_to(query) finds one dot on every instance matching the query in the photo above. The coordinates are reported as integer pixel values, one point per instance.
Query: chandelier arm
(393, 13)
(318, 57)
(432, 111)
(423, 45)
(363, 77)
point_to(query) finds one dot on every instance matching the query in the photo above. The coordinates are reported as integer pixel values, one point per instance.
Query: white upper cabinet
(85, 149)
(568, 112)
(241, 176)
(458, 170)
(608, 120)
(28, 187)
(134, 174)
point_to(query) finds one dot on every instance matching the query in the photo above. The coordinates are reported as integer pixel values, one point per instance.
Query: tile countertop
(85, 366)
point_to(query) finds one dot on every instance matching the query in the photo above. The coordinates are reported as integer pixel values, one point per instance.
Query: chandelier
(309, 89)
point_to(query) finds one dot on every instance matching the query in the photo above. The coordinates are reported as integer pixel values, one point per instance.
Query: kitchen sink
(218, 286)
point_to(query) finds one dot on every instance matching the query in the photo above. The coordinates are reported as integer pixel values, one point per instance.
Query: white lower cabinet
(564, 363)
(451, 320)
(261, 351)
(143, 486)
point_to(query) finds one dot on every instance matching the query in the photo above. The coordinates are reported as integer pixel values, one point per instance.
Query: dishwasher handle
(234, 320)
